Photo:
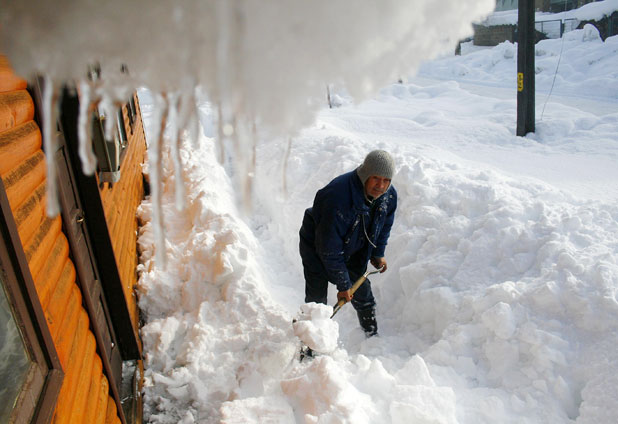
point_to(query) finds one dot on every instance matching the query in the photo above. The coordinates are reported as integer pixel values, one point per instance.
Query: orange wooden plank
(48, 278)
(16, 107)
(130, 258)
(72, 373)
(40, 245)
(101, 413)
(23, 179)
(16, 144)
(112, 413)
(8, 80)
(126, 255)
(123, 237)
(111, 216)
(102, 192)
(83, 382)
(65, 325)
(31, 213)
(93, 391)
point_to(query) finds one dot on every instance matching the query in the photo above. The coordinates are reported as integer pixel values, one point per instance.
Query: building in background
(502, 26)
(553, 6)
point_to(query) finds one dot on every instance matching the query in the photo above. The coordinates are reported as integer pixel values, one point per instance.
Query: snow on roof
(590, 12)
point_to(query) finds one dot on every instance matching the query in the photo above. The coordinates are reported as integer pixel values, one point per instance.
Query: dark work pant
(316, 280)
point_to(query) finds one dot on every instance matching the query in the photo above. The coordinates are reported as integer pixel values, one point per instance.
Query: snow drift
(499, 304)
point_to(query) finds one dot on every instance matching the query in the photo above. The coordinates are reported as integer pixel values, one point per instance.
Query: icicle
(285, 167)
(155, 171)
(84, 127)
(244, 144)
(193, 126)
(192, 129)
(51, 146)
(220, 134)
(111, 117)
(173, 121)
(187, 114)
(235, 124)
(186, 101)
(252, 165)
(224, 69)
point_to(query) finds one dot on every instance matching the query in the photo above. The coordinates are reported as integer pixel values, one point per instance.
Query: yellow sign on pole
(520, 81)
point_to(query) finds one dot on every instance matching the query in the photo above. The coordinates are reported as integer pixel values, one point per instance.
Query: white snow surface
(499, 304)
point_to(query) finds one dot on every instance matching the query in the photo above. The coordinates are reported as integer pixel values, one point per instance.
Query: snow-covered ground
(499, 304)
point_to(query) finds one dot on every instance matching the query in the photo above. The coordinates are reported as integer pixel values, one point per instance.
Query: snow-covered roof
(590, 12)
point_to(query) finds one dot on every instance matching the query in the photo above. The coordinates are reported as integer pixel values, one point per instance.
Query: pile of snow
(211, 331)
(500, 301)
(360, 390)
(315, 329)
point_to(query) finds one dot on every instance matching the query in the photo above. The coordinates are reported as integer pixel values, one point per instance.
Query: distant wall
(120, 201)
(493, 35)
(496, 34)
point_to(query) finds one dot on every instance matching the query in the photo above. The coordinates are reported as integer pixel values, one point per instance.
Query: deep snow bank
(504, 287)
(211, 332)
(499, 304)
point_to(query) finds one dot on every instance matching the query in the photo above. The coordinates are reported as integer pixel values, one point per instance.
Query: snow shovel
(354, 287)
(306, 351)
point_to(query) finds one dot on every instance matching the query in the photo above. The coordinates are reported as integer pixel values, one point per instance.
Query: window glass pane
(14, 361)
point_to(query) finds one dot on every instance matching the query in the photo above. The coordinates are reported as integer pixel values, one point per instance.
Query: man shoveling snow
(348, 226)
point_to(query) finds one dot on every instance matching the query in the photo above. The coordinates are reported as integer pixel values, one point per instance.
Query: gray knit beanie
(379, 163)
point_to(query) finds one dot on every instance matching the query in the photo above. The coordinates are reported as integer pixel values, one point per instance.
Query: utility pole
(525, 67)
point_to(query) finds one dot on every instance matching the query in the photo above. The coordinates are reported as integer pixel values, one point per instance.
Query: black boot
(367, 320)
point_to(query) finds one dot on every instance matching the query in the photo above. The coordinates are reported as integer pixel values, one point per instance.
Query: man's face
(376, 186)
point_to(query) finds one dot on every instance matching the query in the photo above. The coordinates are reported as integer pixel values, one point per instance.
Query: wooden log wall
(84, 396)
(120, 202)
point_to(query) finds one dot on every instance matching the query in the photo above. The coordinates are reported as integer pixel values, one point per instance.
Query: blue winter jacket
(334, 225)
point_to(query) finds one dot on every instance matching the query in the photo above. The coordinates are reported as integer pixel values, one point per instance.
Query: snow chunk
(271, 409)
(314, 327)
(323, 393)
(591, 33)
(500, 320)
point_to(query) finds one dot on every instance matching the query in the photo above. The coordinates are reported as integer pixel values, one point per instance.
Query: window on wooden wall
(15, 362)
(110, 146)
(30, 372)
(130, 106)
(132, 112)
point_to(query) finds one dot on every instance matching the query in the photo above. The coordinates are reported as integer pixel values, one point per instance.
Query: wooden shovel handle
(353, 289)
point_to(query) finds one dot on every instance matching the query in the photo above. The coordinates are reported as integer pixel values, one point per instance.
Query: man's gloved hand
(379, 263)
(345, 295)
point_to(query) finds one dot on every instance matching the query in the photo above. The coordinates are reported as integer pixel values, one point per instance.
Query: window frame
(36, 401)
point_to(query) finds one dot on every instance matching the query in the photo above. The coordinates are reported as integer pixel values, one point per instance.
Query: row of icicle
(174, 117)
